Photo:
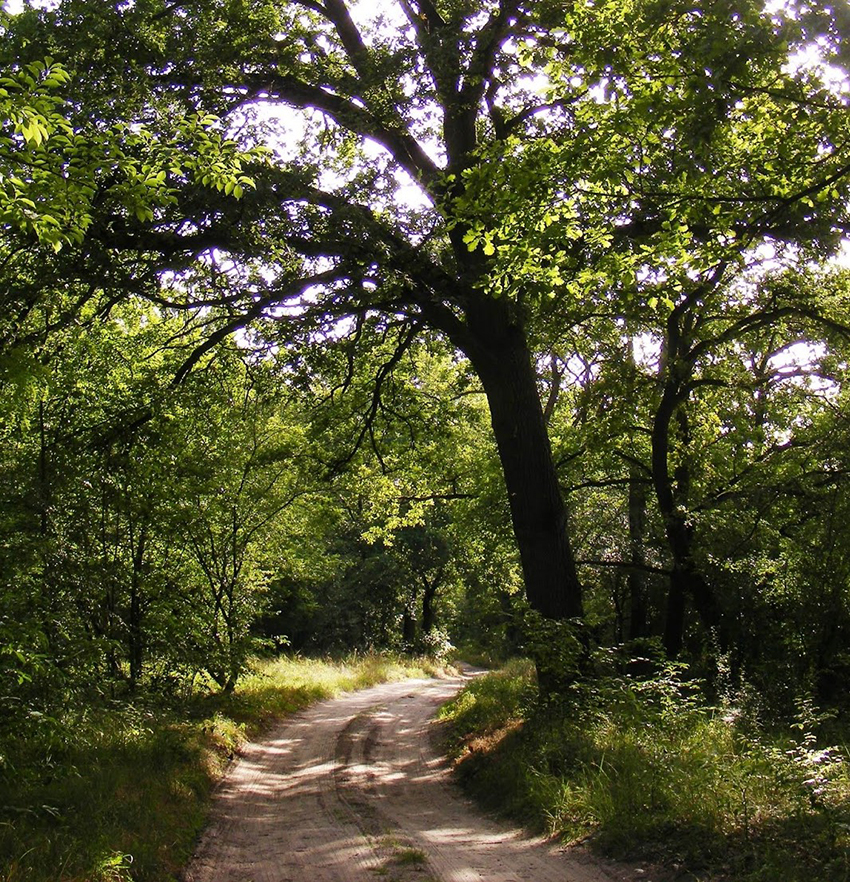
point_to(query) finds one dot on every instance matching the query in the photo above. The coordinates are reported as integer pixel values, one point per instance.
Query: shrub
(644, 768)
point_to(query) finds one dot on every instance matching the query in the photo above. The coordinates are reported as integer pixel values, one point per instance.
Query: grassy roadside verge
(645, 770)
(120, 791)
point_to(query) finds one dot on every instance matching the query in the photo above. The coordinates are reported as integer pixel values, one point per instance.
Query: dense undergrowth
(120, 790)
(645, 769)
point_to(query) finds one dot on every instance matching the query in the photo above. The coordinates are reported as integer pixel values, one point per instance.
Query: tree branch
(381, 376)
(404, 149)
(251, 313)
(622, 565)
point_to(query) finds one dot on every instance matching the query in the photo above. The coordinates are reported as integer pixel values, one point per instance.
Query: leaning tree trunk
(538, 511)
(504, 364)
(491, 334)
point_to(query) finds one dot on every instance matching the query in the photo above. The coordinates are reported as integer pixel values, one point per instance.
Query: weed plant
(645, 769)
(120, 790)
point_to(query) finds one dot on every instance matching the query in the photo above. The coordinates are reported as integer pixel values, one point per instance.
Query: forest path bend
(352, 790)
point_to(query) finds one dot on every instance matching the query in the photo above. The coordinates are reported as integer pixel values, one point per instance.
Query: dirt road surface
(352, 790)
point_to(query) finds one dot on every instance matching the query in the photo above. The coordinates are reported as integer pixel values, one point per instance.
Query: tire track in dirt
(352, 790)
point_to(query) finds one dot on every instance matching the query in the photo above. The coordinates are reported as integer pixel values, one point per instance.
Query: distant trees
(108, 500)
(708, 495)
(148, 528)
(397, 460)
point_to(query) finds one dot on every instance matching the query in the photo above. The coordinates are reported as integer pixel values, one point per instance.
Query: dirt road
(352, 790)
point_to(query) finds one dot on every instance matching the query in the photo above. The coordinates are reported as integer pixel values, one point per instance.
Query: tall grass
(120, 791)
(644, 769)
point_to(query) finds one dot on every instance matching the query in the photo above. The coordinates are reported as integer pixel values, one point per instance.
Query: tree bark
(408, 630)
(429, 619)
(685, 580)
(134, 625)
(502, 358)
(638, 619)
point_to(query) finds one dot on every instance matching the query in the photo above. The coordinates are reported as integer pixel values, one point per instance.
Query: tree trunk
(134, 625)
(503, 361)
(428, 595)
(638, 619)
(43, 481)
(685, 580)
(674, 622)
(408, 630)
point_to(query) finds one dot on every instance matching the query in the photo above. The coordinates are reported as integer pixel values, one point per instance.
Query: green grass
(644, 770)
(121, 791)
(407, 857)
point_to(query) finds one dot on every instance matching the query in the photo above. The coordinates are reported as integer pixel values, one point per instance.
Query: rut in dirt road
(352, 790)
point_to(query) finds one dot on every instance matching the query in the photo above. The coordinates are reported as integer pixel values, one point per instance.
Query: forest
(480, 329)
